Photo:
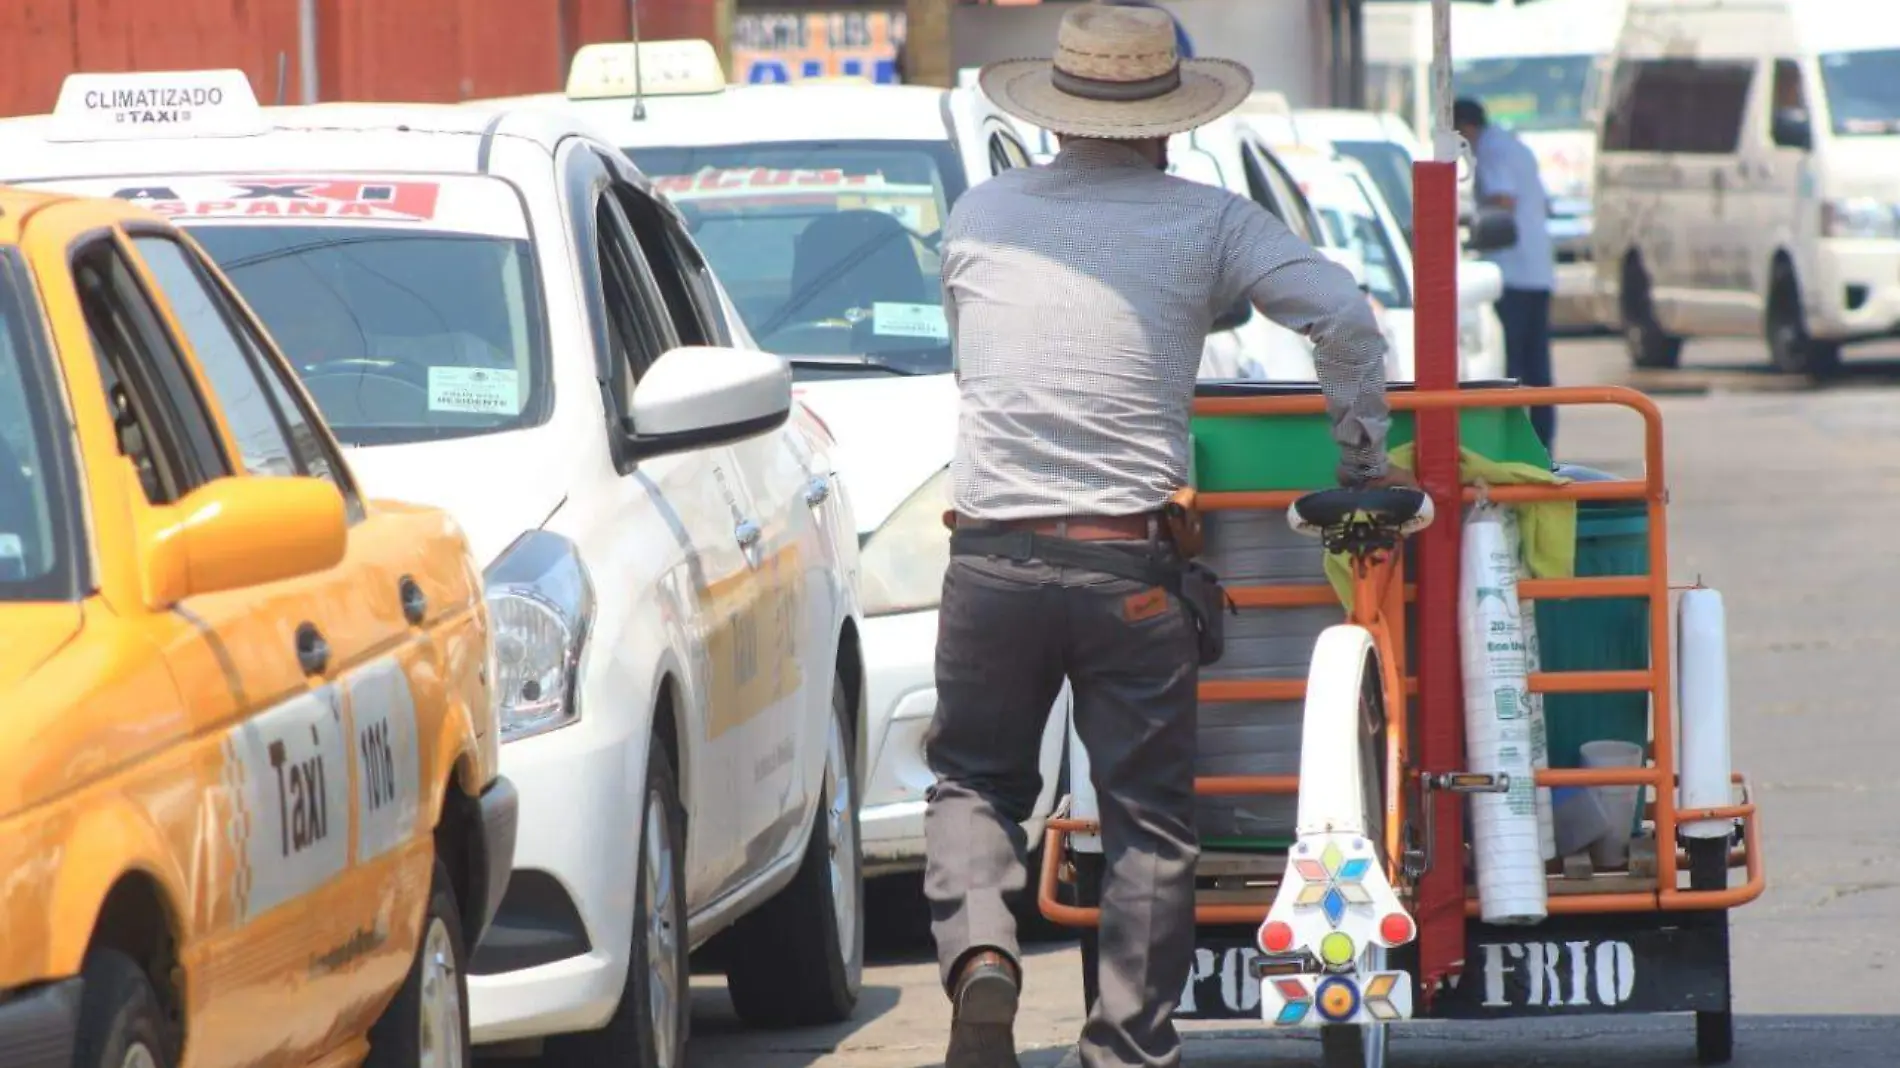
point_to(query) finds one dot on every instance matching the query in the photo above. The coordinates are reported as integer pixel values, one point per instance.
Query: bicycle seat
(1392, 511)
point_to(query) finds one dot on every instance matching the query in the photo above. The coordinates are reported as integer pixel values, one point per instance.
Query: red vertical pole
(1441, 744)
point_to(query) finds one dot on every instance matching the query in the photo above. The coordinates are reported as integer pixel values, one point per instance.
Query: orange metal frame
(1378, 605)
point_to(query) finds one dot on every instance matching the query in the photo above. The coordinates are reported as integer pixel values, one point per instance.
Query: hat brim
(1025, 88)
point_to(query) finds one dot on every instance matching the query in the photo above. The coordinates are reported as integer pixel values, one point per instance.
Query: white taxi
(496, 315)
(820, 208)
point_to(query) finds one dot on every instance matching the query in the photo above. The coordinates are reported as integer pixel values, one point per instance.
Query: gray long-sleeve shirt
(1079, 296)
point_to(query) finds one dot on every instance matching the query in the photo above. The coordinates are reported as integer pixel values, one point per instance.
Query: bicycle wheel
(1364, 1045)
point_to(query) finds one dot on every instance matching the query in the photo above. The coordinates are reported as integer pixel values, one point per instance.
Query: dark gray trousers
(1008, 634)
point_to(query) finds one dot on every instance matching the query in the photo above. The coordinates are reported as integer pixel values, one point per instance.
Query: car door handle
(313, 653)
(817, 490)
(415, 604)
(748, 534)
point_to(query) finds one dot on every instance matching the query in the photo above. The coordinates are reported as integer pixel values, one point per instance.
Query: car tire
(648, 1028)
(799, 960)
(426, 1026)
(119, 1016)
(1791, 348)
(1649, 347)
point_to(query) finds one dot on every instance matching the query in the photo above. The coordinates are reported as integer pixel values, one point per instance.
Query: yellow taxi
(251, 812)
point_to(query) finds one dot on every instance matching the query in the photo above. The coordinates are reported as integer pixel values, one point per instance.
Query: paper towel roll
(1702, 666)
(1504, 827)
(1533, 663)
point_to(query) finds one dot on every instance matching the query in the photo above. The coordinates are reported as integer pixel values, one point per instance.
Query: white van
(1749, 178)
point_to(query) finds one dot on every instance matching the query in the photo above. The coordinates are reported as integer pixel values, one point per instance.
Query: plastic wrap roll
(1702, 671)
(1533, 663)
(1504, 833)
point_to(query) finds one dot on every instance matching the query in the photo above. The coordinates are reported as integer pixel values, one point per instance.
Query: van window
(1863, 91)
(1677, 105)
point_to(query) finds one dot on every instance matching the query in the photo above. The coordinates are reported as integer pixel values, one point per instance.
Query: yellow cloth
(1548, 528)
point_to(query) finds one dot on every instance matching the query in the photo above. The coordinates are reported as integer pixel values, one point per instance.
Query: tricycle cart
(1336, 886)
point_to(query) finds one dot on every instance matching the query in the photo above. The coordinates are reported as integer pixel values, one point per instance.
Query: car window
(1529, 92)
(1390, 166)
(39, 513)
(1280, 186)
(399, 335)
(677, 269)
(637, 327)
(827, 249)
(1677, 106)
(161, 421)
(1862, 89)
(1006, 154)
(263, 443)
(274, 430)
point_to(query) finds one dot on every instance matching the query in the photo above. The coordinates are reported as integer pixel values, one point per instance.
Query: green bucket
(1598, 635)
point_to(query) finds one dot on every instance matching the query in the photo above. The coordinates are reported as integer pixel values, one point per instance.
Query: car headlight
(903, 561)
(540, 611)
(1859, 217)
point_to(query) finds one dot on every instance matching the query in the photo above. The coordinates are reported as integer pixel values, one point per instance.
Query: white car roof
(1341, 124)
(766, 113)
(417, 138)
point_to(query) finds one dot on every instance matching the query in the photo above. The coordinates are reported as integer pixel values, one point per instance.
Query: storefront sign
(786, 47)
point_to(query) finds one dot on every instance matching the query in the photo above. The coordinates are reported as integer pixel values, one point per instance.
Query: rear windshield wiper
(870, 363)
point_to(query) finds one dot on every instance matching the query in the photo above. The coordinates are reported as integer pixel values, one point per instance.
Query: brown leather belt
(1074, 527)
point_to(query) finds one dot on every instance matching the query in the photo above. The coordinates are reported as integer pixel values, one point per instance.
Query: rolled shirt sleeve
(1293, 285)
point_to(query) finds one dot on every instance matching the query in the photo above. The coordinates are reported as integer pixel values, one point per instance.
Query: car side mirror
(1233, 318)
(1354, 263)
(698, 397)
(1792, 128)
(1490, 229)
(240, 531)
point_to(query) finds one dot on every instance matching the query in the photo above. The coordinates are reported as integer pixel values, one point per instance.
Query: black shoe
(983, 1014)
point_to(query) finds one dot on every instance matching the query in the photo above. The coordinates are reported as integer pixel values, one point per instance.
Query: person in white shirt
(1508, 179)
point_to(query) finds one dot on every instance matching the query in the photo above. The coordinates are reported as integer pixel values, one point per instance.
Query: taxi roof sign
(667, 68)
(147, 104)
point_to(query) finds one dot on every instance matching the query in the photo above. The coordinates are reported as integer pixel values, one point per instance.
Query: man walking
(1508, 179)
(1080, 294)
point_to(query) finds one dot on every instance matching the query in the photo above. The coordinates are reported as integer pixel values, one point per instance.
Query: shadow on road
(897, 923)
(1700, 378)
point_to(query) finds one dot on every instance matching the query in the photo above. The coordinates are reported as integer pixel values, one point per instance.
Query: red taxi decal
(759, 178)
(348, 198)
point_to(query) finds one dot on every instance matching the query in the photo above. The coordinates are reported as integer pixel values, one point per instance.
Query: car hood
(29, 635)
(893, 434)
(1861, 166)
(496, 486)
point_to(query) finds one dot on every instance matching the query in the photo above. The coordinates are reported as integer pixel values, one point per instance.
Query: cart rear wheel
(1364, 1045)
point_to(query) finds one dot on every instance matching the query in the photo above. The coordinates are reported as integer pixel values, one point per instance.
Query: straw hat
(1117, 75)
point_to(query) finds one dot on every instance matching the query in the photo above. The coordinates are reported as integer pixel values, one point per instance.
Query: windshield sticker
(909, 320)
(474, 391)
(754, 178)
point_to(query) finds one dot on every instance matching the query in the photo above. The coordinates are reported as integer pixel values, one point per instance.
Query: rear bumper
(501, 815)
(37, 1028)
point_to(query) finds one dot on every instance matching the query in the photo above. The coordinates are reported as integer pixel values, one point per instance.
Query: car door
(405, 574)
(285, 799)
(1785, 219)
(701, 497)
(781, 695)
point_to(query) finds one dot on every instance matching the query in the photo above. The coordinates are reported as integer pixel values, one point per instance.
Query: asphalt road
(1787, 498)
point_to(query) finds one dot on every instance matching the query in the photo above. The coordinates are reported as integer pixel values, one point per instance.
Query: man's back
(1082, 292)
(1507, 166)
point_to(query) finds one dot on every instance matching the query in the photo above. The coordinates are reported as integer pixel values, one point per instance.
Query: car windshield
(1863, 91)
(399, 335)
(828, 249)
(1528, 92)
(37, 510)
(1391, 168)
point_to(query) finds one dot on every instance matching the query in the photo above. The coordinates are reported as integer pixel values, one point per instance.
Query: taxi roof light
(667, 68)
(155, 104)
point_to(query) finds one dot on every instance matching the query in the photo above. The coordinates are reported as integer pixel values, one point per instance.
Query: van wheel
(426, 1026)
(120, 1022)
(1790, 347)
(648, 1027)
(803, 957)
(1649, 346)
